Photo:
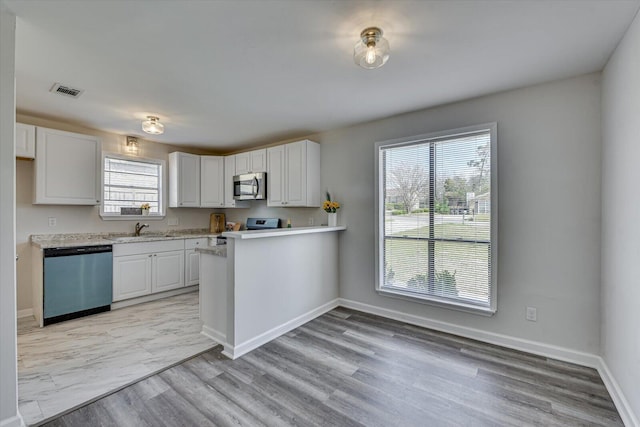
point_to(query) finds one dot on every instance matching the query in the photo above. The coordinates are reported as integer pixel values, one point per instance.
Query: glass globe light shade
(153, 126)
(372, 51)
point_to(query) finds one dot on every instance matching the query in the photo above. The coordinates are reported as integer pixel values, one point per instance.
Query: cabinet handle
(150, 256)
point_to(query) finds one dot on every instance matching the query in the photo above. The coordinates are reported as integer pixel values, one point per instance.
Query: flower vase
(145, 212)
(333, 219)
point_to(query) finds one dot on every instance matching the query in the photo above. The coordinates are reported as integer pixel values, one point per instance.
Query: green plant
(398, 212)
(445, 283)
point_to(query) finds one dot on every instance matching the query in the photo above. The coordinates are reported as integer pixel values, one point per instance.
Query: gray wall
(620, 229)
(549, 145)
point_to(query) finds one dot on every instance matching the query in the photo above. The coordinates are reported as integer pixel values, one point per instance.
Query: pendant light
(372, 50)
(153, 126)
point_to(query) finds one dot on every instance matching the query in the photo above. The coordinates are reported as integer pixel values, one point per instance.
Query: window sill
(131, 217)
(437, 302)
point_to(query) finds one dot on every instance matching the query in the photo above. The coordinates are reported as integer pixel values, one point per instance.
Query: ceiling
(229, 74)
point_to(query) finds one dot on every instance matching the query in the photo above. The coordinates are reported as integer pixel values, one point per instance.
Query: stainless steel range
(263, 223)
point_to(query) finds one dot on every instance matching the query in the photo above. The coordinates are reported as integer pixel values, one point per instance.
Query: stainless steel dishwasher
(77, 282)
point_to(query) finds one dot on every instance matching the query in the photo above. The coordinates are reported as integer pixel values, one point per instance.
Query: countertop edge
(280, 232)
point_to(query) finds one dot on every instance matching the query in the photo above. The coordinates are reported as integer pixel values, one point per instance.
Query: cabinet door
(258, 160)
(276, 176)
(131, 276)
(25, 141)
(168, 271)
(184, 180)
(67, 168)
(243, 163)
(296, 174)
(211, 181)
(192, 267)
(229, 173)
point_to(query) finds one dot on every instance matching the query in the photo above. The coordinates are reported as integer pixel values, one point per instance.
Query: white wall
(620, 205)
(9, 415)
(33, 219)
(549, 144)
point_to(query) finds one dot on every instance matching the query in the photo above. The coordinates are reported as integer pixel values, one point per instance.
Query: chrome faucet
(139, 228)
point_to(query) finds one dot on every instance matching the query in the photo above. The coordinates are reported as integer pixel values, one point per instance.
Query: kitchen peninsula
(264, 283)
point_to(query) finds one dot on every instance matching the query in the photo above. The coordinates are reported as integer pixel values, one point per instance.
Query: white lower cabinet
(192, 260)
(131, 276)
(145, 268)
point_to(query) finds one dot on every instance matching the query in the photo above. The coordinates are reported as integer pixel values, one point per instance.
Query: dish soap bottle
(288, 223)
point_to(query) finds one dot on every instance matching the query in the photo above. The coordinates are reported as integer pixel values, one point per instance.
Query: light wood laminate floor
(347, 368)
(66, 365)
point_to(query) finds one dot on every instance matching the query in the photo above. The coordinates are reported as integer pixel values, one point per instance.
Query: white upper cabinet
(293, 176)
(276, 176)
(229, 173)
(184, 180)
(67, 168)
(25, 141)
(212, 181)
(251, 162)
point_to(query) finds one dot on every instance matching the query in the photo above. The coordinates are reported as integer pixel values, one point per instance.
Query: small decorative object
(331, 208)
(145, 208)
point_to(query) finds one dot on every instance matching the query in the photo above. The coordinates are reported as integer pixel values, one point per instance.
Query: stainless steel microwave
(250, 186)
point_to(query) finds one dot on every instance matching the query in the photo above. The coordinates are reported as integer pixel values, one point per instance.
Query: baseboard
(153, 297)
(12, 422)
(541, 349)
(27, 312)
(253, 343)
(622, 404)
(214, 335)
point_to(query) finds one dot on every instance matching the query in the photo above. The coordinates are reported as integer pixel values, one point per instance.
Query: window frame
(161, 191)
(380, 212)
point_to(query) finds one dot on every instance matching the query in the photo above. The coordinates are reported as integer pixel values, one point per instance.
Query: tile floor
(67, 364)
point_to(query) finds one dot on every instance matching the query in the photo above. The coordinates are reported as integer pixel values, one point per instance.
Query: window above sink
(131, 182)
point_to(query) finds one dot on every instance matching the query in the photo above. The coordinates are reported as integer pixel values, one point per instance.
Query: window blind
(435, 222)
(130, 183)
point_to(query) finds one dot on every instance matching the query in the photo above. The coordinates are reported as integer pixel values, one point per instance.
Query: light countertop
(96, 239)
(279, 232)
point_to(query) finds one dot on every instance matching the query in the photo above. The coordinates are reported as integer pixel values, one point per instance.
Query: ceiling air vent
(66, 90)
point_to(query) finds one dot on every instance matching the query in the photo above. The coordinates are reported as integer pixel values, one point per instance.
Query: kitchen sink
(139, 238)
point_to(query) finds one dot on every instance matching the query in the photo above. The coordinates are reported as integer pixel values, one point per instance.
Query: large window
(437, 200)
(130, 183)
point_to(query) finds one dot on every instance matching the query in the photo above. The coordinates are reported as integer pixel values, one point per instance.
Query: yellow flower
(145, 206)
(329, 206)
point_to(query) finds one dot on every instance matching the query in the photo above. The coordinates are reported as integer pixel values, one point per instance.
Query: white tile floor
(68, 364)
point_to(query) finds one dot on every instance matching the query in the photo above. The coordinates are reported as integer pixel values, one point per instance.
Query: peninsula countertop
(279, 232)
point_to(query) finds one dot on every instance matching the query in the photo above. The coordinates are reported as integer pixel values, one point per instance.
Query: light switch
(53, 221)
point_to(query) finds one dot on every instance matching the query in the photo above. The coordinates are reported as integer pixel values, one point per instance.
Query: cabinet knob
(150, 256)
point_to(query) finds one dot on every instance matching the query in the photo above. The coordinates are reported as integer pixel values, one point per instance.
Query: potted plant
(331, 208)
(145, 208)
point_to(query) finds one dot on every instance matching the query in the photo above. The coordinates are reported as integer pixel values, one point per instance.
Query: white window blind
(435, 218)
(130, 183)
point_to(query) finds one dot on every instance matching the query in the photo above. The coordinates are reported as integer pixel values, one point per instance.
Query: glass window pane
(130, 183)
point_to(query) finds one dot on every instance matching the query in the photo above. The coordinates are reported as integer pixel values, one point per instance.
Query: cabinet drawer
(195, 243)
(121, 249)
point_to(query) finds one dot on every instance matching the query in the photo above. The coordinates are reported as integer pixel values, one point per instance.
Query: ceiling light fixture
(372, 50)
(153, 126)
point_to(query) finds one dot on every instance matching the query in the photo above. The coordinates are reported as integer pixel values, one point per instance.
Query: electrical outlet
(532, 314)
(173, 221)
(53, 221)
(310, 220)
